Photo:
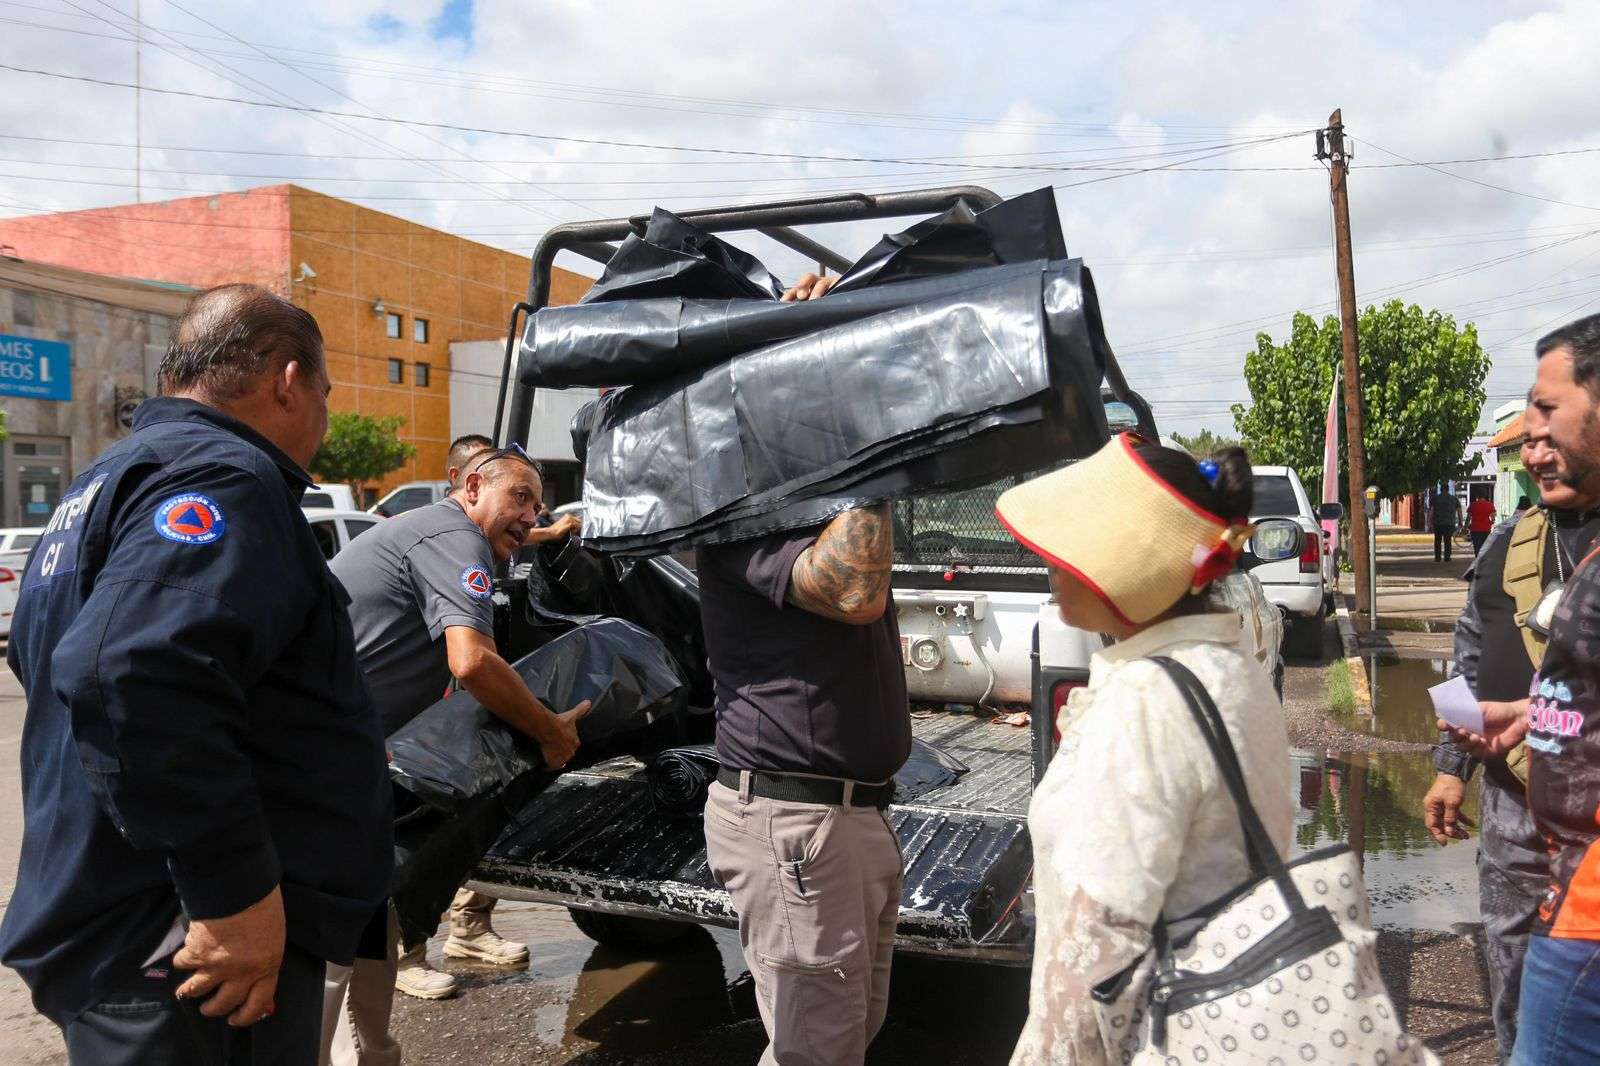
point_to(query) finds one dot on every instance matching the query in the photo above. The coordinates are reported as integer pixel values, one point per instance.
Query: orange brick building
(390, 295)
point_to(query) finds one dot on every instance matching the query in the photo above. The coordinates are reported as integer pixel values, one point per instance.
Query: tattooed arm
(845, 574)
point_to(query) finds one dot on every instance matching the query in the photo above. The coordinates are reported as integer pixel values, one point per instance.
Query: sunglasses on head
(515, 451)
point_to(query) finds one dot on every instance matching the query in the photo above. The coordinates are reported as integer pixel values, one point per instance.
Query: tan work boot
(487, 946)
(416, 978)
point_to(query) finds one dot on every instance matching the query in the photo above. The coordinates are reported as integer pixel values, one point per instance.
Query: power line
(979, 160)
(1474, 181)
(574, 92)
(419, 123)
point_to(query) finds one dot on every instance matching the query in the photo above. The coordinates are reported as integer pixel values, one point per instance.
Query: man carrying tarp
(812, 723)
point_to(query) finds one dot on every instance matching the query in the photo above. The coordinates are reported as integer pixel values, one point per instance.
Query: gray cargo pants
(817, 889)
(1513, 874)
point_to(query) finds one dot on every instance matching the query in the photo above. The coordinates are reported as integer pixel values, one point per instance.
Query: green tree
(1205, 443)
(2, 425)
(360, 448)
(1421, 391)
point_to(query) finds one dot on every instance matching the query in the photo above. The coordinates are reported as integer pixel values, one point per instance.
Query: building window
(419, 330)
(391, 325)
(421, 375)
(397, 371)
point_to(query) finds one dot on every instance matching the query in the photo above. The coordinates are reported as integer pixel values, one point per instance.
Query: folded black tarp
(947, 362)
(680, 777)
(456, 751)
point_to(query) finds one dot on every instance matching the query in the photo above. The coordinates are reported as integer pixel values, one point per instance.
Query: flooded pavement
(1401, 710)
(1373, 802)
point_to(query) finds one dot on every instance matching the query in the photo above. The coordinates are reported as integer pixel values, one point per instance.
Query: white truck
(979, 631)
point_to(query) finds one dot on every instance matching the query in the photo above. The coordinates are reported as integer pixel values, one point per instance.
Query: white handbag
(1282, 970)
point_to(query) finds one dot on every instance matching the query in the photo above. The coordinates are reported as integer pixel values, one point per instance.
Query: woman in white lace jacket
(1132, 820)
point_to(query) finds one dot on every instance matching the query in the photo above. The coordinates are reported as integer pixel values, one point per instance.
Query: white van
(330, 497)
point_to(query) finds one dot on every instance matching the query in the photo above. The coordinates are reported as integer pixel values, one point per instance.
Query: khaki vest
(1524, 583)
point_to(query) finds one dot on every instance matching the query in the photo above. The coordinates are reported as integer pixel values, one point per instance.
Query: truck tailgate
(593, 840)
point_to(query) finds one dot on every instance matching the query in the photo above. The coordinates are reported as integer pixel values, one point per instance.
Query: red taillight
(1310, 552)
(7, 575)
(1058, 700)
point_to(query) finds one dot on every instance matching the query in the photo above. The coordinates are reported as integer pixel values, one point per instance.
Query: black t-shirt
(795, 691)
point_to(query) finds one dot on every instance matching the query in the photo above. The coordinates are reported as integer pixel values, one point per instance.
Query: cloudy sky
(546, 112)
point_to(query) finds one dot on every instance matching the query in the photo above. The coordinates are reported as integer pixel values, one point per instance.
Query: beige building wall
(462, 289)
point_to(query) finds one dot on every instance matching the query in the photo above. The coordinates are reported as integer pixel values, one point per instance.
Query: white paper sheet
(1454, 702)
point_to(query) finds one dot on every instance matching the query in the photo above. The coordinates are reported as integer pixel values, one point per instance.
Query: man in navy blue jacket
(207, 819)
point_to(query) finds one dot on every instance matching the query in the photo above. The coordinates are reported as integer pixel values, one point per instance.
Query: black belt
(798, 789)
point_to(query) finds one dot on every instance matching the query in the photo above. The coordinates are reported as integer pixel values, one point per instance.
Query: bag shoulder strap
(1262, 853)
(1523, 576)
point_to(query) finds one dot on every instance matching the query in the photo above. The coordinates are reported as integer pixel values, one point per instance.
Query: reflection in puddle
(1401, 710)
(627, 1003)
(1373, 802)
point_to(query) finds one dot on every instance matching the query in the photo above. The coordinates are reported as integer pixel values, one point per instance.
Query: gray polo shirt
(409, 578)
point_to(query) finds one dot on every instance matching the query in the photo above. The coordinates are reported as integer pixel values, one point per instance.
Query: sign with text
(39, 370)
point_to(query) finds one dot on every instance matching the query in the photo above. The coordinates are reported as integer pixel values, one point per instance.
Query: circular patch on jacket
(475, 579)
(190, 519)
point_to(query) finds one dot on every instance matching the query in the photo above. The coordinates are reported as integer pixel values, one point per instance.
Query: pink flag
(1330, 470)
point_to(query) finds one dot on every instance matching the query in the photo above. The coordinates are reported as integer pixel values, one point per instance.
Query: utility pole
(138, 99)
(1331, 148)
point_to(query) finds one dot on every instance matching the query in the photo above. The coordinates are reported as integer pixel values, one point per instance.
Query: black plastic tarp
(680, 777)
(672, 255)
(947, 362)
(456, 751)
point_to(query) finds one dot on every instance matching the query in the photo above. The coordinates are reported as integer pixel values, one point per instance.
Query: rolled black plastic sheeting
(456, 752)
(679, 778)
(1007, 373)
(960, 351)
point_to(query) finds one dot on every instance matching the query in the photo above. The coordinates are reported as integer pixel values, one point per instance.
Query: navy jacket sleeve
(201, 588)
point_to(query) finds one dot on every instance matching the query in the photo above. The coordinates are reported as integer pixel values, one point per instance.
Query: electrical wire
(457, 128)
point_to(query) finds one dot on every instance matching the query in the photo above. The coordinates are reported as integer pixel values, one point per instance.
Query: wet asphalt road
(578, 1002)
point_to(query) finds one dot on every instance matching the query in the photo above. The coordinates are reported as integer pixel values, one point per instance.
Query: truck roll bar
(593, 239)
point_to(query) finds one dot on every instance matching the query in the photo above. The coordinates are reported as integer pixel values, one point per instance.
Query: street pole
(138, 102)
(1331, 147)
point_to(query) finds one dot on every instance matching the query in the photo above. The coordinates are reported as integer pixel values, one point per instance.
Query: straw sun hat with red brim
(1132, 539)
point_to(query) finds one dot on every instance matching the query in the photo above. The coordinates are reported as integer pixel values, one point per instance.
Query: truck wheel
(627, 932)
(1304, 637)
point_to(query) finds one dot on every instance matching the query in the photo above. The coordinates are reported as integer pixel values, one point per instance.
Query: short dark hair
(230, 335)
(1582, 340)
(462, 449)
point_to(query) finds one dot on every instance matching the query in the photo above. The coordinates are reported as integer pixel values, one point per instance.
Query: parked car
(335, 497)
(20, 539)
(11, 566)
(411, 495)
(334, 529)
(1301, 586)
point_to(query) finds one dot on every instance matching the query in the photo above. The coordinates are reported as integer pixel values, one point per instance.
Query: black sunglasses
(515, 451)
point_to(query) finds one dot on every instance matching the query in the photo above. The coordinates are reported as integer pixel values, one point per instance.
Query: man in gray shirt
(420, 588)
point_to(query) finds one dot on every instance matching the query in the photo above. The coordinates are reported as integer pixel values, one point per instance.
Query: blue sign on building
(39, 370)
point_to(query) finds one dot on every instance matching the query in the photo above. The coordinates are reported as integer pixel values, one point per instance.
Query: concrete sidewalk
(1418, 599)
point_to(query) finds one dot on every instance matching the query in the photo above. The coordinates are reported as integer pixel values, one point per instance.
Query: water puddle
(1373, 802)
(1401, 710)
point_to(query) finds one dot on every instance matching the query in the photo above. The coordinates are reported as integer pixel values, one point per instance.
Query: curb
(1360, 688)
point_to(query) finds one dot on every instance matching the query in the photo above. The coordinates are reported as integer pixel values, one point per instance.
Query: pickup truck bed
(593, 841)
